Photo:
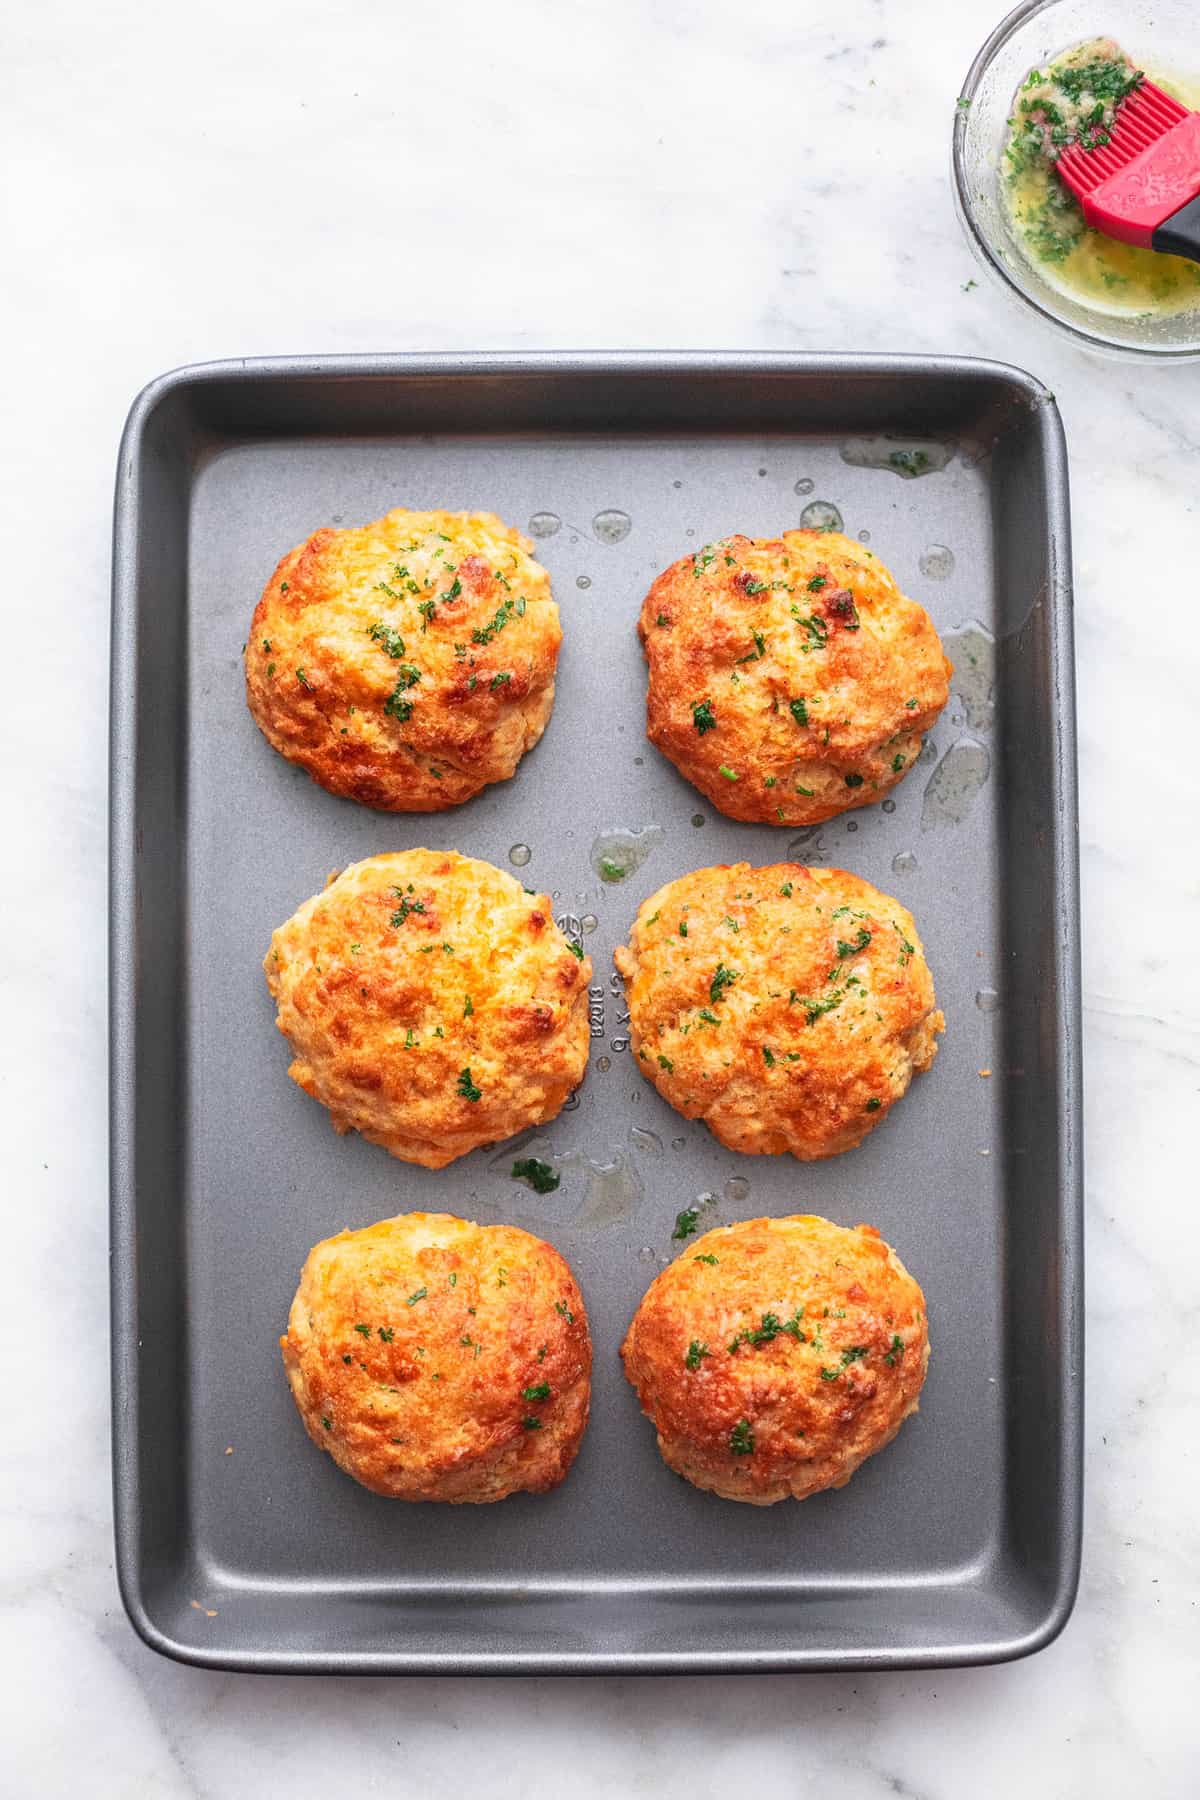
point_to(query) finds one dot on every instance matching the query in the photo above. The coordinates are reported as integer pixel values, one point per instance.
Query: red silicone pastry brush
(1143, 184)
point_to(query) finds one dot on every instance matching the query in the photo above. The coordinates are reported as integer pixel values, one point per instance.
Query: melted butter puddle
(619, 853)
(973, 653)
(952, 788)
(906, 457)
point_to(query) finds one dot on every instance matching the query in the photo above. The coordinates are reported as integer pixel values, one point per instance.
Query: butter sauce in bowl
(1044, 78)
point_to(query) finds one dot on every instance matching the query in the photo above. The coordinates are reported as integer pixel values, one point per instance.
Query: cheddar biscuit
(787, 1007)
(789, 678)
(406, 663)
(431, 1004)
(773, 1357)
(435, 1359)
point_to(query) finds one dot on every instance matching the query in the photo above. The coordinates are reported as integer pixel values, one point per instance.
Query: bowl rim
(1091, 340)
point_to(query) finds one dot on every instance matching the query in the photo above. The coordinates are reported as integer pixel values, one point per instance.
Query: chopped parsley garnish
(686, 1222)
(722, 978)
(363, 1330)
(908, 462)
(770, 1327)
(397, 707)
(664, 1062)
(799, 710)
(854, 1354)
(420, 1294)
(426, 608)
(391, 640)
(302, 678)
(817, 630)
(768, 1056)
(813, 1008)
(539, 1175)
(501, 679)
(786, 890)
(662, 620)
(816, 584)
(874, 1104)
(911, 705)
(710, 1018)
(696, 1352)
(531, 1424)
(386, 1334)
(707, 1257)
(466, 1087)
(540, 1392)
(860, 943)
(759, 650)
(483, 634)
(702, 717)
(896, 1351)
(575, 947)
(560, 1306)
(727, 772)
(897, 763)
(683, 927)
(405, 907)
(854, 781)
(741, 1439)
(468, 1007)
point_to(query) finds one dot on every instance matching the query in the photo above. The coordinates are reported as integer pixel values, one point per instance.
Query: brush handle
(1180, 234)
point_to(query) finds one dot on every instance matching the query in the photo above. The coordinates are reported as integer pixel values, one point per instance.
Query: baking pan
(238, 1545)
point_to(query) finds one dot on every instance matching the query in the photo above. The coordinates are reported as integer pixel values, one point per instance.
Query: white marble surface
(189, 183)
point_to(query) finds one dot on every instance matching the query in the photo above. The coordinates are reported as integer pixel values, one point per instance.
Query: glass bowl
(1160, 35)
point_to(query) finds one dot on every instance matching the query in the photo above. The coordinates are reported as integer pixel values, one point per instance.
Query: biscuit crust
(431, 1004)
(789, 678)
(787, 1007)
(406, 663)
(436, 1359)
(774, 1356)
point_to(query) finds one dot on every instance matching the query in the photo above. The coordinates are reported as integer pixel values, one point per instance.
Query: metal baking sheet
(238, 1545)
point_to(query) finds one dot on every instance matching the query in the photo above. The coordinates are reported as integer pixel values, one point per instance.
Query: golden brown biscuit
(774, 1356)
(439, 1360)
(789, 677)
(786, 1007)
(431, 1003)
(406, 663)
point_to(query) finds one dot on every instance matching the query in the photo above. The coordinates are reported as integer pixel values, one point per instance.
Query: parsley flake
(741, 1439)
(722, 978)
(538, 1174)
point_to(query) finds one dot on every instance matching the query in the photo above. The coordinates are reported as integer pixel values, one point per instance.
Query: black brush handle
(1180, 234)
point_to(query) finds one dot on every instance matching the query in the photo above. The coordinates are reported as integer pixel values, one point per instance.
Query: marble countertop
(231, 180)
